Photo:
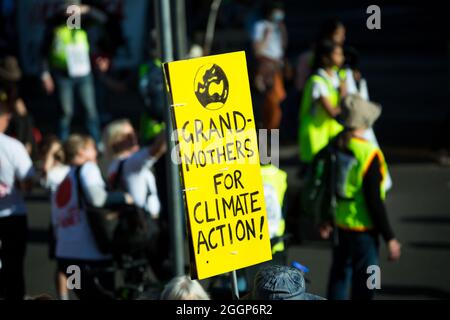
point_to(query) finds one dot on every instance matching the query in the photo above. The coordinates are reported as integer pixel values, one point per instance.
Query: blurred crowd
(331, 106)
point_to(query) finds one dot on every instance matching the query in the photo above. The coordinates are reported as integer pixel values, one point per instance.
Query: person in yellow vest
(361, 213)
(275, 186)
(320, 102)
(67, 67)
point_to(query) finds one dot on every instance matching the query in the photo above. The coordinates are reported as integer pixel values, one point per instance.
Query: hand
(103, 64)
(128, 199)
(325, 231)
(394, 248)
(48, 84)
(159, 147)
(84, 9)
(20, 108)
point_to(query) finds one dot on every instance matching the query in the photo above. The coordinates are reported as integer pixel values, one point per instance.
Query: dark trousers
(13, 241)
(97, 278)
(85, 86)
(352, 254)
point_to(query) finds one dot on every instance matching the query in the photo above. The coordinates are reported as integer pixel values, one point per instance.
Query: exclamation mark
(261, 228)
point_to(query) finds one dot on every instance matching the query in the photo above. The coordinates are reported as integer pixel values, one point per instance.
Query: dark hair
(323, 50)
(47, 144)
(328, 28)
(269, 6)
(351, 58)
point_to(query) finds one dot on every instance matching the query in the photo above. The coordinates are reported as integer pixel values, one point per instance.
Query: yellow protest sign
(219, 163)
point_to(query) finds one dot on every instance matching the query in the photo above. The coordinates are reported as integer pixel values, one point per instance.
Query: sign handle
(234, 285)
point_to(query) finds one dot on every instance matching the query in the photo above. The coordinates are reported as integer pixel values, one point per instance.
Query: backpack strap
(81, 196)
(117, 179)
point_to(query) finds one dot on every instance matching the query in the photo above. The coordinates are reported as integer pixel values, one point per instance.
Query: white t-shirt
(274, 44)
(54, 177)
(138, 180)
(320, 89)
(15, 165)
(73, 232)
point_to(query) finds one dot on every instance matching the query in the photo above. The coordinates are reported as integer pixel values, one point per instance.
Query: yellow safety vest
(276, 179)
(316, 128)
(352, 212)
(62, 38)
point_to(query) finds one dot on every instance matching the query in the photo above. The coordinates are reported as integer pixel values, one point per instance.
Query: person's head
(357, 113)
(183, 288)
(332, 30)
(274, 11)
(280, 283)
(51, 144)
(120, 138)
(328, 54)
(79, 149)
(351, 58)
(5, 112)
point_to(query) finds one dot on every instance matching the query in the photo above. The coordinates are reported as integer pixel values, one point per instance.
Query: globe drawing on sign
(211, 86)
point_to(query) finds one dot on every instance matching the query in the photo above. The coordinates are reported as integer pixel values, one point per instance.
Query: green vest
(276, 179)
(62, 38)
(352, 211)
(316, 127)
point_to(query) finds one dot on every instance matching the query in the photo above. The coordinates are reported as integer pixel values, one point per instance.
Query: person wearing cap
(277, 282)
(66, 65)
(361, 213)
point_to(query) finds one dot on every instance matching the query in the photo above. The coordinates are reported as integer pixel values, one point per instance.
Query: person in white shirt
(76, 245)
(130, 169)
(54, 171)
(16, 173)
(269, 44)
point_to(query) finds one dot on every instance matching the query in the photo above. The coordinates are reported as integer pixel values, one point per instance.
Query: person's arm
(147, 156)
(377, 209)
(93, 14)
(24, 171)
(320, 94)
(330, 110)
(94, 188)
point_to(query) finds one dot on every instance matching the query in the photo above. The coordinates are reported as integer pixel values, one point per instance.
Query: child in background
(53, 173)
(320, 102)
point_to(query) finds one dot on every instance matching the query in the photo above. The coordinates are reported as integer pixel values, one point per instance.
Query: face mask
(278, 16)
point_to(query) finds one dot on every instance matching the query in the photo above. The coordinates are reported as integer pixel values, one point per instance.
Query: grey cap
(358, 113)
(280, 283)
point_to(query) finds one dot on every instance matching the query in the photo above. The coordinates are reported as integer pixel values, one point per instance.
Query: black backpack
(318, 195)
(119, 230)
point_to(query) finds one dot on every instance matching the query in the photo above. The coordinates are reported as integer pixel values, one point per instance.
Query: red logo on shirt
(64, 193)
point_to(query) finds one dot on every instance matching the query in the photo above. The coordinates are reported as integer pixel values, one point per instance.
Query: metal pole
(162, 11)
(210, 28)
(234, 285)
(180, 29)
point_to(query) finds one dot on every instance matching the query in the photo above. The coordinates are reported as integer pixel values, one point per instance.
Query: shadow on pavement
(430, 245)
(444, 219)
(415, 291)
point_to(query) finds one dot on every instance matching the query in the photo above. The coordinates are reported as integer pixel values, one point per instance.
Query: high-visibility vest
(316, 127)
(275, 185)
(62, 38)
(351, 211)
